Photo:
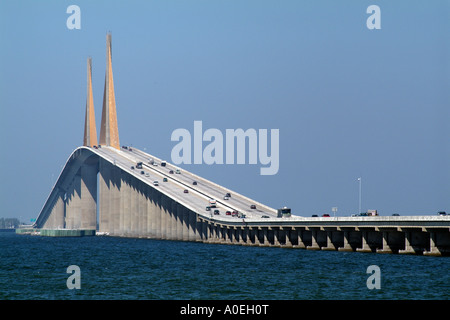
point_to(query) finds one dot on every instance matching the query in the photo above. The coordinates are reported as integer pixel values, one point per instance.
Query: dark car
(171, 171)
(314, 216)
(228, 213)
(442, 213)
(216, 211)
(253, 206)
(194, 183)
(325, 215)
(186, 191)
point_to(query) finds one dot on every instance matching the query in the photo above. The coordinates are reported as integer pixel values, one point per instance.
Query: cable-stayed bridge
(121, 191)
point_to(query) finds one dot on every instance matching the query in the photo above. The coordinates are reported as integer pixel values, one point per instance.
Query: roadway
(197, 196)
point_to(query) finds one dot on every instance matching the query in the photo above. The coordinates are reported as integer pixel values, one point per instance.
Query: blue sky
(348, 101)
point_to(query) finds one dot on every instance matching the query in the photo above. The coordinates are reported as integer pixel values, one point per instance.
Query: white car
(155, 183)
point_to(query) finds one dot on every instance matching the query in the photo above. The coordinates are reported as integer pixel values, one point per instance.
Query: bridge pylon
(90, 131)
(109, 132)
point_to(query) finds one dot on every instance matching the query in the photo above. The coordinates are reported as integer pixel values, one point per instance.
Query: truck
(284, 212)
(212, 203)
(372, 213)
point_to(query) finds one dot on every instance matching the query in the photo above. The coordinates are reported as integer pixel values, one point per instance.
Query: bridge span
(130, 204)
(121, 191)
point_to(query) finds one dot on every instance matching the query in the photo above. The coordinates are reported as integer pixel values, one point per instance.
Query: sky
(348, 101)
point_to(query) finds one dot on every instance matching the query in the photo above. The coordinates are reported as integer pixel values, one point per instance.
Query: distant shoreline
(8, 230)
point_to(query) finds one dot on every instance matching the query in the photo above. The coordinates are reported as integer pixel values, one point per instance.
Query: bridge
(106, 189)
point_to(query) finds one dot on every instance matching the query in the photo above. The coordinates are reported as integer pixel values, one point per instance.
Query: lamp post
(359, 179)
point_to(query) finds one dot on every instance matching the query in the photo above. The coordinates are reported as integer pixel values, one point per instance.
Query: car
(178, 171)
(147, 175)
(234, 213)
(442, 213)
(186, 191)
(164, 179)
(155, 183)
(253, 206)
(208, 208)
(228, 195)
(265, 217)
(216, 212)
(395, 215)
(241, 215)
(314, 216)
(326, 215)
(155, 164)
(225, 198)
(142, 172)
(228, 213)
(171, 171)
(194, 183)
(132, 167)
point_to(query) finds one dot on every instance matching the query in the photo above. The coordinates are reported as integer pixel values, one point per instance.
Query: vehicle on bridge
(284, 212)
(212, 203)
(139, 165)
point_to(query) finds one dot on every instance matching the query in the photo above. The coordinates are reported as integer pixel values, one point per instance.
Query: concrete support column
(300, 244)
(58, 213)
(180, 222)
(287, 235)
(56, 218)
(386, 248)
(105, 196)
(192, 225)
(434, 250)
(88, 201)
(365, 246)
(346, 246)
(265, 237)
(115, 189)
(408, 247)
(173, 220)
(73, 204)
(143, 212)
(185, 215)
(329, 245)
(276, 232)
(314, 245)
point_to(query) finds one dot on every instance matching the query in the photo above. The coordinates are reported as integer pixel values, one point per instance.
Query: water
(120, 268)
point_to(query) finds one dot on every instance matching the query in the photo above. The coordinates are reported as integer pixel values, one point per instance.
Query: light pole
(359, 179)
